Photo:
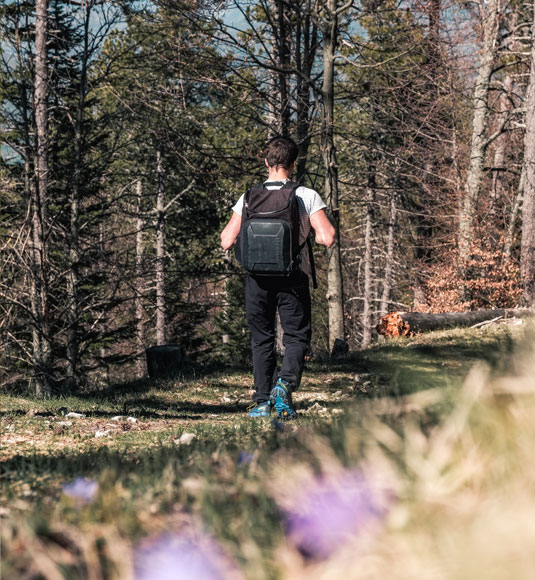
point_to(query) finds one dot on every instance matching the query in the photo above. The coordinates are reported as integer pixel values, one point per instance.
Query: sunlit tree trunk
(389, 266)
(306, 36)
(283, 53)
(335, 295)
(42, 351)
(139, 286)
(490, 18)
(272, 121)
(498, 164)
(527, 252)
(368, 259)
(160, 253)
(513, 216)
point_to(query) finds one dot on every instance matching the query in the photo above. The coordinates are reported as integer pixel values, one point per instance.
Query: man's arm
(231, 231)
(322, 228)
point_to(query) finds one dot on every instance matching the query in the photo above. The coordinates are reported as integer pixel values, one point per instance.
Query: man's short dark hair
(281, 151)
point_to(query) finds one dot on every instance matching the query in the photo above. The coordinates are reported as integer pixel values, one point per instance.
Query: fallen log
(410, 323)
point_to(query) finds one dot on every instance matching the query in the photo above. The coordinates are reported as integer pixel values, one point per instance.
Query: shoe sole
(280, 402)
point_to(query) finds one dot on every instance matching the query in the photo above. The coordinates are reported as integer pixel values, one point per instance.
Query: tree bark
(42, 350)
(368, 266)
(479, 143)
(283, 53)
(389, 266)
(160, 254)
(515, 209)
(410, 323)
(527, 251)
(139, 286)
(502, 142)
(74, 241)
(306, 39)
(272, 121)
(335, 294)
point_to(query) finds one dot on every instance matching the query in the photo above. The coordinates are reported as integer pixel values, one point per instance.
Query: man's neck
(278, 174)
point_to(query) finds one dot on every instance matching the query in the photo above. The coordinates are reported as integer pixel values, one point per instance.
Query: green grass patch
(183, 453)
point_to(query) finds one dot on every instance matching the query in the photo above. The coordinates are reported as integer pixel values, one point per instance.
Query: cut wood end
(392, 325)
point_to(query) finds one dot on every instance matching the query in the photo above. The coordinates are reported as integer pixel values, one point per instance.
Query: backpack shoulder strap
(312, 263)
(294, 185)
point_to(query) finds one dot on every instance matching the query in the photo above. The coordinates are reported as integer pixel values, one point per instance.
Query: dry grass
(447, 464)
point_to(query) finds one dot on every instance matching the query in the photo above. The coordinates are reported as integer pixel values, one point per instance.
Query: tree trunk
(74, 241)
(42, 351)
(410, 323)
(368, 257)
(389, 266)
(502, 142)
(272, 120)
(283, 53)
(160, 253)
(479, 142)
(139, 286)
(527, 251)
(515, 209)
(306, 37)
(335, 295)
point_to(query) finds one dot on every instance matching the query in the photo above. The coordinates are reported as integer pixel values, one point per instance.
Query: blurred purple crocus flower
(81, 489)
(329, 512)
(244, 458)
(175, 557)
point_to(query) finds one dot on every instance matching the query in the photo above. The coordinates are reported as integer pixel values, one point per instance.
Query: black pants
(291, 296)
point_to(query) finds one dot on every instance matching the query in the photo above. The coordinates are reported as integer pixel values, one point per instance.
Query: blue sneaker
(281, 400)
(261, 410)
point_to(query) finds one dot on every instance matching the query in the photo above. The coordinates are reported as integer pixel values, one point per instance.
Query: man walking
(290, 295)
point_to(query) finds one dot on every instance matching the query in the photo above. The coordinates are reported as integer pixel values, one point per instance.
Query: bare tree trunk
(160, 253)
(514, 215)
(306, 37)
(390, 245)
(368, 252)
(74, 241)
(498, 165)
(139, 287)
(283, 50)
(527, 251)
(335, 295)
(30, 189)
(479, 143)
(272, 118)
(279, 94)
(42, 351)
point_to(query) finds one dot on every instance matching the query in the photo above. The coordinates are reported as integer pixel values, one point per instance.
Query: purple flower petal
(175, 557)
(81, 489)
(330, 512)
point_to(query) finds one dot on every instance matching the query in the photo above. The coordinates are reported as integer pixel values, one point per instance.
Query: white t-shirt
(309, 202)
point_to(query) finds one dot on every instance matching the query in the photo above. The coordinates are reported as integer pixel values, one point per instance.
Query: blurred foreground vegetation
(429, 441)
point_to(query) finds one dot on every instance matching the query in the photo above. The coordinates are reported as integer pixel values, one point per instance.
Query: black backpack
(268, 243)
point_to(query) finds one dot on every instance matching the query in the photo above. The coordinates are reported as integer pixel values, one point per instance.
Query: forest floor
(182, 456)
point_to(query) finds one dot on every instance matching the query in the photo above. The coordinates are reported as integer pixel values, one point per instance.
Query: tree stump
(164, 361)
(340, 349)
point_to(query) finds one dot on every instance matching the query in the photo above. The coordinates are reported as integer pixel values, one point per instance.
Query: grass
(402, 412)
